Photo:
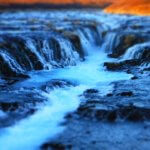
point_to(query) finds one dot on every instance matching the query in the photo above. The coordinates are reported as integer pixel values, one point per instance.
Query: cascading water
(57, 57)
(137, 51)
(45, 123)
(37, 54)
(109, 41)
(140, 52)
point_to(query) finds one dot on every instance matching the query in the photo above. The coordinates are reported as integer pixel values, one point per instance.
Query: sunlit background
(138, 7)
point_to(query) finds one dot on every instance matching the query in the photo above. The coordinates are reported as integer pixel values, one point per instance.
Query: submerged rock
(91, 94)
(57, 83)
(18, 104)
(113, 66)
(53, 146)
(8, 106)
(91, 91)
(125, 113)
(126, 40)
(126, 93)
(122, 65)
(134, 78)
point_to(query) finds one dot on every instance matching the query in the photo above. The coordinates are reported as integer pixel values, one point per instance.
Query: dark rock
(135, 116)
(94, 142)
(112, 55)
(112, 116)
(146, 69)
(104, 33)
(137, 26)
(75, 40)
(126, 94)
(56, 83)
(91, 94)
(53, 146)
(18, 103)
(122, 65)
(9, 106)
(113, 66)
(129, 71)
(91, 91)
(130, 113)
(132, 62)
(109, 95)
(146, 53)
(134, 78)
(7, 71)
(69, 146)
(126, 40)
(68, 116)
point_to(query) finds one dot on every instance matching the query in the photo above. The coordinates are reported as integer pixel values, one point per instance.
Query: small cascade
(33, 52)
(137, 51)
(27, 54)
(109, 41)
(92, 35)
(8, 65)
(140, 52)
(68, 55)
(31, 45)
(85, 41)
(44, 55)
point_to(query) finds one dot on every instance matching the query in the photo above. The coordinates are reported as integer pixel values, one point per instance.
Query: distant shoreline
(47, 6)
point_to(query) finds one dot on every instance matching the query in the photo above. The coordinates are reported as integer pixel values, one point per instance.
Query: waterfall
(7, 61)
(64, 56)
(137, 51)
(68, 55)
(109, 41)
(86, 45)
(30, 52)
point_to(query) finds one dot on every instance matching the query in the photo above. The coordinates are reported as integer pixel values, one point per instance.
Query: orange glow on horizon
(138, 7)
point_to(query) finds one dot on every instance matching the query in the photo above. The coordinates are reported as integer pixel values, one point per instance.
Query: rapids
(48, 55)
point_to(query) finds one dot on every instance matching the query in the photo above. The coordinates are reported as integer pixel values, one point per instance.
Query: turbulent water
(68, 46)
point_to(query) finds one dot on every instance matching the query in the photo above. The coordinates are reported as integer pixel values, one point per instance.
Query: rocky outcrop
(18, 105)
(54, 146)
(75, 40)
(124, 114)
(127, 113)
(124, 41)
(20, 53)
(56, 84)
(123, 65)
(136, 56)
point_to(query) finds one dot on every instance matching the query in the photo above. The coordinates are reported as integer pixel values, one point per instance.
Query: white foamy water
(30, 133)
(136, 51)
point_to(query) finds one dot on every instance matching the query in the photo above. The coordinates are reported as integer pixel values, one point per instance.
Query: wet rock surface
(128, 101)
(56, 83)
(18, 104)
(123, 65)
(118, 120)
(127, 40)
(99, 135)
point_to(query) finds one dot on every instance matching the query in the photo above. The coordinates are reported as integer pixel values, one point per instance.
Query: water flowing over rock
(73, 70)
(25, 52)
(136, 56)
